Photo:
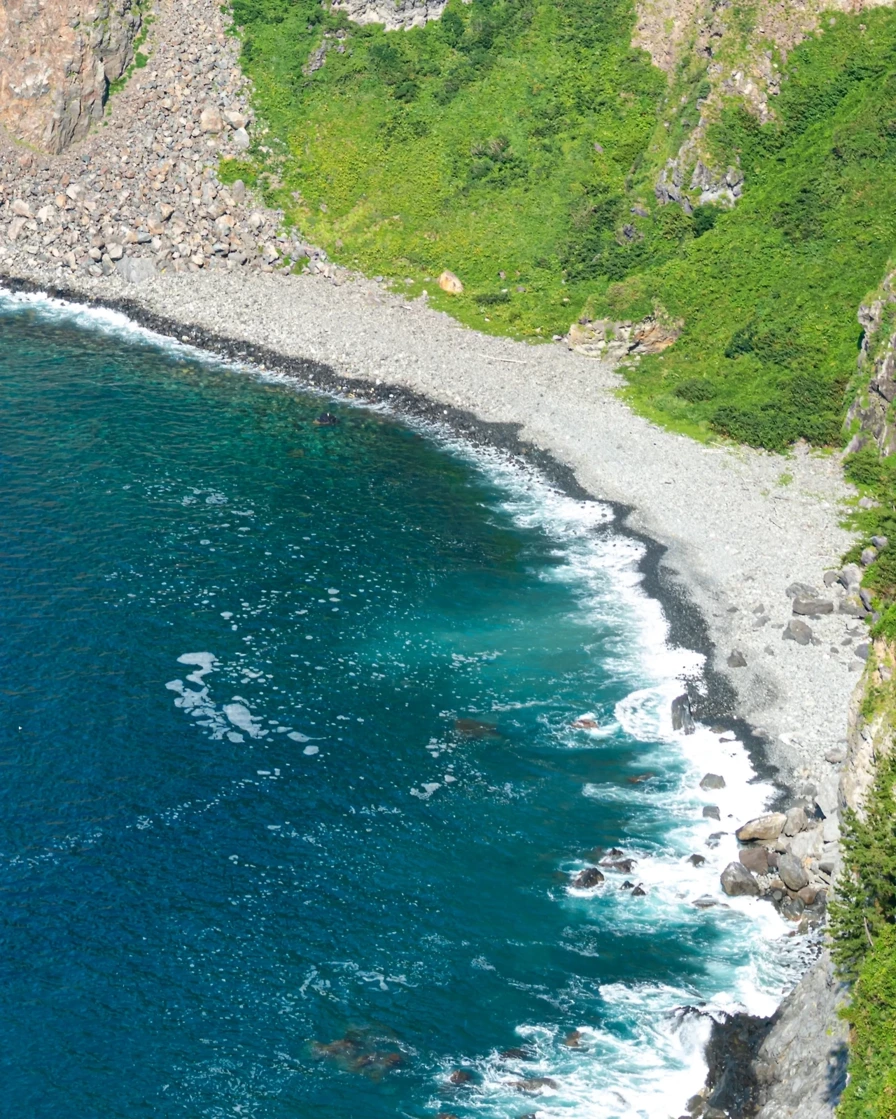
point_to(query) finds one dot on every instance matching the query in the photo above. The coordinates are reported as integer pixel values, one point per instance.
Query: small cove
(287, 760)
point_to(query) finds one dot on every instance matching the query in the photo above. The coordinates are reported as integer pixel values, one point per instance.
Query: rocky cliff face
(740, 52)
(58, 58)
(871, 412)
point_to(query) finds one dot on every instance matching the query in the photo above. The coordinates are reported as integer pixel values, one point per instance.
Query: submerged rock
(534, 1084)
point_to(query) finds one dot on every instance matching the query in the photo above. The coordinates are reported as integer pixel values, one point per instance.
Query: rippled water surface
(287, 761)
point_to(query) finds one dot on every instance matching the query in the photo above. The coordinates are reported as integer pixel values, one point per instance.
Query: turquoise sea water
(287, 761)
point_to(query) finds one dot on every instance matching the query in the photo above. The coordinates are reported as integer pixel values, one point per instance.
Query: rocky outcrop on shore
(58, 60)
(140, 194)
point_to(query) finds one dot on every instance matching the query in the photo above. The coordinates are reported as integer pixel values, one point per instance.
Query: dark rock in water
(791, 908)
(711, 812)
(736, 659)
(326, 419)
(717, 729)
(585, 722)
(516, 1053)
(639, 892)
(640, 778)
(754, 859)
(737, 881)
(712, 781)
(798, 631)
(624, 866)
(696, 860)
(792, 872)
(595, 854)
(705, 902)
(615, 852)
(533, 1084)
(713, 840)
(733, 1044)
(475, 728)
(587, 878)
(626, 885)
(461, 1077)
(573, 1039)
(682, 719)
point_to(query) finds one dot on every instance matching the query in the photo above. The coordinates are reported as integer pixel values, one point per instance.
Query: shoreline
(786, 735)
(666, 575)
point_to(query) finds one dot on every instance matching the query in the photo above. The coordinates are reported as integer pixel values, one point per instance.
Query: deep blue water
(243, 810)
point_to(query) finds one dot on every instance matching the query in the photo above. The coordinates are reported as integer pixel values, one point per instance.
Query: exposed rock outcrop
(615, 340)
(871, 411)
(141, 194)
(58, 58)
(393, 14)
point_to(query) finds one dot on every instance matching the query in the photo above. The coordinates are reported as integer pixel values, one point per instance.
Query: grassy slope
(769, 294)
(468, 144)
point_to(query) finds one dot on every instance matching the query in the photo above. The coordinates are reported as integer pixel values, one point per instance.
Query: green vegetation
(509, 142)
(864, 941)
(495, 142)
(769, 293)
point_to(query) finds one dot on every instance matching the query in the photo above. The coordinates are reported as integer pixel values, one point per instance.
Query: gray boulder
(736, 659)
(853, 606)
(868, 556)
(796, 821)
(737, 881)
(812, 607)
(850, 576)
(712, 781)
(755, 859)
(798, 631)
(711, 812)
(802, 589)
(792, 872)
(763, 828)
(135, 269)
(863, 650)
(808, 844)
(879, 542)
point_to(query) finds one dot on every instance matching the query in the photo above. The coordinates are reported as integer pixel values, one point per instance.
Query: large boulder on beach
(738, 882)
(450, 283)
(798, 631)
(763, 828)
(811, 606)
(808, 844)
(755, 859)
(796, 821)
(792, 872)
